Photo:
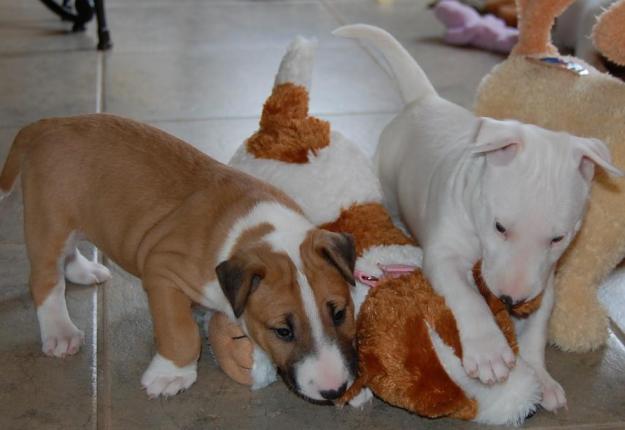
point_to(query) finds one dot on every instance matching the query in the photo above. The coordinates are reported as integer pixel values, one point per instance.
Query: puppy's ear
(238, 277)
(500, 141)
(339, 250)
(595, 152)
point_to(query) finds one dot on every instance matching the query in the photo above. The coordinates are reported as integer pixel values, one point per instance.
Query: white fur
(508, 402)
(296, 65)
(81, 271)
(59, 335)
(453, 176)
(369, 262)
(340, 175)
(263, 370)
(163, 377)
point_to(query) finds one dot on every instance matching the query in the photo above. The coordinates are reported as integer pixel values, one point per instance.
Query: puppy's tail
(412, 81)
(12, 165)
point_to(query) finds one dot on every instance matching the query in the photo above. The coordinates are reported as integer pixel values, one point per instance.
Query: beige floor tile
(39, 392)
(47, 84)
(224, 25)
(222, 84)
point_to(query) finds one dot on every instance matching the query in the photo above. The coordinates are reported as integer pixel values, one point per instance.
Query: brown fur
(286, 132)
(161, 209)
(371, 225)
(397, 360)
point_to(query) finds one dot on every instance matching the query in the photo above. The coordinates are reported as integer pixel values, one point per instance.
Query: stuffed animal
(403, 325)
(504, 9)
(465, 26)
(537, 85)
(573, 28)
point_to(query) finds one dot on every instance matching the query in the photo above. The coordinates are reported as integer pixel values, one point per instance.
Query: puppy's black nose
(507, 300)
(334, 394)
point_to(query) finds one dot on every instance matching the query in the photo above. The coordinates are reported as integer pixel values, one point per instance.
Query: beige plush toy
(537, 85)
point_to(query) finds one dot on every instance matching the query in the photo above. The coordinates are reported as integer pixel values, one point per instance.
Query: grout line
(617, 332)
(255, 117)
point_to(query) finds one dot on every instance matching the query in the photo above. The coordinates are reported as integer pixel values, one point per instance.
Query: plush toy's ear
(536, 18)
(608, 33)
(500, 141)
(595, 152)
(340, 251)
(238, 277)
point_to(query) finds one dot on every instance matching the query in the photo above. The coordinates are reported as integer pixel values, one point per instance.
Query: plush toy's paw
(553, 397)
(233, 351)
(164, 378)
(361, 399)
(487, 357)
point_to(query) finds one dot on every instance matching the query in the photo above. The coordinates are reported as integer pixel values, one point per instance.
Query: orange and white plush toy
(408, 343)
(539, 86)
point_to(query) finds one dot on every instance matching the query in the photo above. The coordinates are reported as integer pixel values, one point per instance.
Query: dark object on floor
(81, 14)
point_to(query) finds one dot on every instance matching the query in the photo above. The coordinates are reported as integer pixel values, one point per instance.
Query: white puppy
(469, 188)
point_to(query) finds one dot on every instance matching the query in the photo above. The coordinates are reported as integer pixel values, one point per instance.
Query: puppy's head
(296, 305)
(534, 188)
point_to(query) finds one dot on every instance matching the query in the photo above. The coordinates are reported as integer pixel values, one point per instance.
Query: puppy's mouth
(289, 379)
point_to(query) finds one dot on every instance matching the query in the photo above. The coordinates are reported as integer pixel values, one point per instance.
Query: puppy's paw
(62, 341)
(81, 271)
(553, 394)
(164, 378)
(361, 399)
(487, 357)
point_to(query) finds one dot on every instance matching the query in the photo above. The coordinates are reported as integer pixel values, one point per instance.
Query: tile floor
(201, 70)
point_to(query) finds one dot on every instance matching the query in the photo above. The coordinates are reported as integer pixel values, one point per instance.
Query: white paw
(553, 393)
(62, 341)
(81, 271)
(164, 378)
(361, 399)
(487, 357)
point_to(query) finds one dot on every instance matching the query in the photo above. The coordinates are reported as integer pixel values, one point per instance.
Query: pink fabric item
(467, 27)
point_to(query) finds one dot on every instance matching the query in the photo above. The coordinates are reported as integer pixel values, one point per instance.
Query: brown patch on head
(370, 225)
(252, 235)
(286, 131)
(272, 304)
(328, 261)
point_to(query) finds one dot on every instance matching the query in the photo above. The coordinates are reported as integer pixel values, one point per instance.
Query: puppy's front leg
(532, 343)
(485, 352)
(174, 367)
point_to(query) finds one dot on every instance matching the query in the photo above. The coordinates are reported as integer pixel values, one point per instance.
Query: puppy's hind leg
(80, 270)
(59, 336)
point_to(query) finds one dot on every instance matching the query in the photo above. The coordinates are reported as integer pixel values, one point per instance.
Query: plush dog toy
(537, 85)
(408, 343)
(467, 27)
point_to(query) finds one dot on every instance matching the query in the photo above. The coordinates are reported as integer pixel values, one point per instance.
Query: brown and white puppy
(195, 231)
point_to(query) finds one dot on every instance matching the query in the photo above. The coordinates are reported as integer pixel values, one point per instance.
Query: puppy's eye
(284, 333)
(500, 228)
(338, 317)
(557, 239)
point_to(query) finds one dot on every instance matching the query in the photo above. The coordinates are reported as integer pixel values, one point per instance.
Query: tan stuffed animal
(409, 348)
(537, 85)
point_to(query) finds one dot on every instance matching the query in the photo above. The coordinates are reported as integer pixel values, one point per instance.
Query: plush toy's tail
(412, 80)
(608, 33)
(536, 17)
(286, 131)
(297, 64)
